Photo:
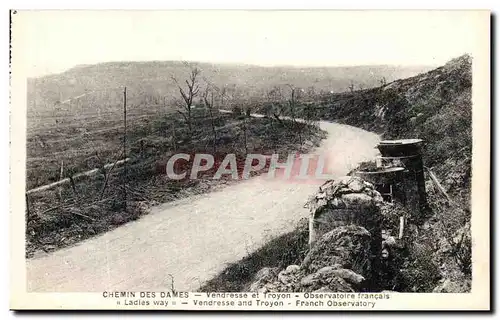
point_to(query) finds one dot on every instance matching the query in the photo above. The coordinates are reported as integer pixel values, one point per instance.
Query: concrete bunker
(399, 174)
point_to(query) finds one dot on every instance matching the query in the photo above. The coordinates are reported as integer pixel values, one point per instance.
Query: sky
(54, 41)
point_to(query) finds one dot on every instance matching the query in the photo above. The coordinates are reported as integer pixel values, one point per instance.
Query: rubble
(336, 264)
(262, 277)
(453, 286)
(345, 242)
(347, 200)
(346, 246)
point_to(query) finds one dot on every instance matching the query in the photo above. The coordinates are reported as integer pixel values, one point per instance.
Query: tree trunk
(174, 137)
(245, 134)
(190, 128)
(213, 131)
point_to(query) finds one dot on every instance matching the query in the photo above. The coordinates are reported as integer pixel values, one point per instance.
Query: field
(71, 140)
(78, 114)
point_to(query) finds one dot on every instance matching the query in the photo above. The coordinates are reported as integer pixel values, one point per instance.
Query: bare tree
(351, 87)
(383, 81)
(275, 97)
(222, 95)
(245, 139)
(188, 94)
(174, 136)
(208, 99)
(292, 104)
(292, 101)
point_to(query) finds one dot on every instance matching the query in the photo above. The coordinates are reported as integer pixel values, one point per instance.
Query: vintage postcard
(250, 160)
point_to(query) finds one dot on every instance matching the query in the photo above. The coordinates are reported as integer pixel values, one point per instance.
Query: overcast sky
(54, 41)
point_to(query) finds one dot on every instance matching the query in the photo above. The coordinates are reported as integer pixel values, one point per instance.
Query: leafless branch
(188, 94)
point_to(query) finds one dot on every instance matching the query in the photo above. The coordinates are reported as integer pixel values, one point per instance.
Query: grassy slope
(279, 252)
(436, 107)
(57, 221)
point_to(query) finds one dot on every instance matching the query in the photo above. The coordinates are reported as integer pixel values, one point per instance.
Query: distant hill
(148, 82)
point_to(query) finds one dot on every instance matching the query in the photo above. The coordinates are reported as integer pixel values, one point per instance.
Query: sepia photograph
(250, 160)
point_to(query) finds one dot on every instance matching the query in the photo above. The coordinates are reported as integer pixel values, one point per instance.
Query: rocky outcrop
(336, 264)
(347, 246)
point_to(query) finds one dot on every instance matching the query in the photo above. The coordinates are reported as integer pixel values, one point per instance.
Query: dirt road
(191, 240)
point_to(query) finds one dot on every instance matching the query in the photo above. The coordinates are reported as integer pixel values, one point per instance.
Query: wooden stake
(61, 176)
(27, 208)
(73, 186)
(401, 227)
(108, 174)
(245, 133)
(437, 184)
(81, 215)
(174, 137)
(125, 146)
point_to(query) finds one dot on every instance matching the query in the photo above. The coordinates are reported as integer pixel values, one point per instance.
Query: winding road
(193, 239)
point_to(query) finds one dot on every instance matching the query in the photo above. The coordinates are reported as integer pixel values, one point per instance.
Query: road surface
(195, 238)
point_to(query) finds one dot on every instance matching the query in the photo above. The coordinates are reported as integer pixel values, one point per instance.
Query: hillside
(151, 82)
(433, 106)
(436, 107)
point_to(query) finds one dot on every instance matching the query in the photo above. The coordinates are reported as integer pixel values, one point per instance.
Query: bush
(418, 272)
